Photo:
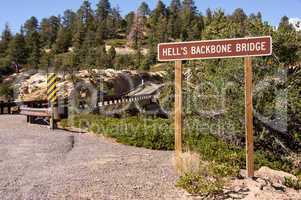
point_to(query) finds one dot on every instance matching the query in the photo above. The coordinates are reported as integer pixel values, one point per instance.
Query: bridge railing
(113, 100)
(12, 104)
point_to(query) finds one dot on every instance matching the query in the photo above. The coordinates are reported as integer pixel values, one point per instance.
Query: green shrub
(6, 90)
(149, 133)
(206, 182)
(293, 183)
(116, 42)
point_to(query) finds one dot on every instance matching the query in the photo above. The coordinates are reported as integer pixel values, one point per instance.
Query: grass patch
(116, 42)
(135, 131)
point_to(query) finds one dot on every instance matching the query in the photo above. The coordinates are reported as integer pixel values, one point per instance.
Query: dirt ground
(37, 163)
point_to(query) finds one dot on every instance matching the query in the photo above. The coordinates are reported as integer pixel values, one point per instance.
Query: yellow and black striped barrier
(52, 98)
(52, 89)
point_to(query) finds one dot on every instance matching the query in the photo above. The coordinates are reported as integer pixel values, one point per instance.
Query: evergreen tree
(208, 16)
(34, 46)
(136, 36)
(103, 10)
(6, 37)
(33, 41)
(174, 20)
(129, 18)
(103, 13)
(114, 23)
(101, 57)
(69, 19)
(285, 24)
(286, 42)
(158, 24)
(49, 30)
(17, 51)
(87, 50)
(63, 40)
(111, 56)
(144, 9)
(192, 23)
(239, 17)
(220, 27)
(86, 16)
(31, 25)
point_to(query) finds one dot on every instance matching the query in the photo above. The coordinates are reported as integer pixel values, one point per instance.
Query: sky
(16, 12)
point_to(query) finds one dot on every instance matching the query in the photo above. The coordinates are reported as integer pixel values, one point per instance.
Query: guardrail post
(9, 107)
(1, 107)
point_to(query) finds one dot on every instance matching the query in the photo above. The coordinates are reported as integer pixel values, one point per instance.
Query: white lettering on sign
(251, 47)
(210, 49)
(175, 51)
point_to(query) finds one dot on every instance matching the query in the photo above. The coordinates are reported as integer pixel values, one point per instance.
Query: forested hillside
(88, 37)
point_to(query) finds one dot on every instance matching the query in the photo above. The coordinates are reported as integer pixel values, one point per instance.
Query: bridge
(33, 109)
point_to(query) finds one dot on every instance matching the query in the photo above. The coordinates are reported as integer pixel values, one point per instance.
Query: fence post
(1, 107)
(9, 107)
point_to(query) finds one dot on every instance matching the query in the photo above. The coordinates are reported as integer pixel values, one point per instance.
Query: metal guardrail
(125, 99)
(36, 112)
(41, 107)
(10, 104)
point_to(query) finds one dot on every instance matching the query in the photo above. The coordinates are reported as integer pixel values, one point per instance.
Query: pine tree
(103, 13)
(6, 37)
(285, 42)
(136, 36)
(111, 56)
(63, 40)
(144, 9)
(31, 25)
(103, 10)
(129, 18)
(17, 51)
(49, 30)
(158, 23)
(87, 50)
(101, 57)
(114, 23)
(191, 18)
(33, 41)
(34, 46)
(86, 16)
(285, 24)
(208, 16)
(239, 17)
(78, 35)
(174, 20)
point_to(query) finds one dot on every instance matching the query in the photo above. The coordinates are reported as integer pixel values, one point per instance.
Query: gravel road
(37, 163)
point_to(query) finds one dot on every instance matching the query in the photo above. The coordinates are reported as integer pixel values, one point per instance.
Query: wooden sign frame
(248, 77)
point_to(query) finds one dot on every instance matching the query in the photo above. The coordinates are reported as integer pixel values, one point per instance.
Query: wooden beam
(249, 117)
(178, 112)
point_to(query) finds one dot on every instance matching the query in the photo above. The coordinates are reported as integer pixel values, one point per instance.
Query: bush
(149, 133)
(116, 42)
(208, 181)
(293, 183)
(159, 134)
(6, 91)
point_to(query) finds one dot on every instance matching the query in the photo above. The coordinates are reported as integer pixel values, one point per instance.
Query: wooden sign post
(249, 116)
(178, 112)
(210, 49)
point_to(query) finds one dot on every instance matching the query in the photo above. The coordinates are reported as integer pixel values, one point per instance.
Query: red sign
(209, 49)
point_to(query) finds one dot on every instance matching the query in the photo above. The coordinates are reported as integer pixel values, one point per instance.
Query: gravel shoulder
(37, 163)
